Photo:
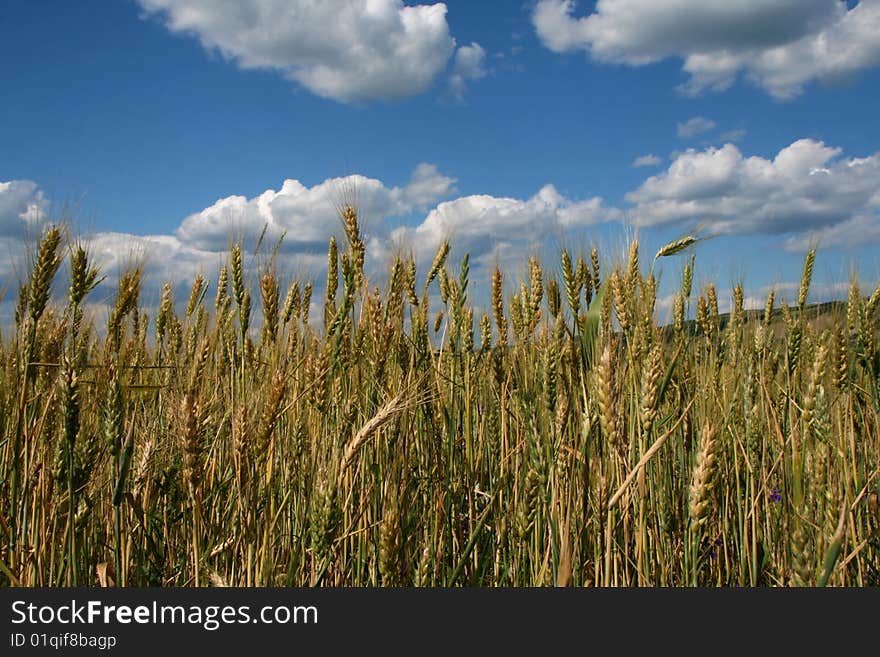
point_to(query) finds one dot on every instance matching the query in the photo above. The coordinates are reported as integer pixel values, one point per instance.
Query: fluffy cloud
(808, 192)
(863, 228)
(426, 186)
(781, 45)
(470, 64)
(167, 258)
(307, 216)
(480, 224)
(695, 126)
(23, 207)
(484, 226)
(346, 50)
(806, 189)
(649, 160)
(163, 258)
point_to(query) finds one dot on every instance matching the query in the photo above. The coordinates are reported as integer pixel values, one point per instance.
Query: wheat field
(563, 437)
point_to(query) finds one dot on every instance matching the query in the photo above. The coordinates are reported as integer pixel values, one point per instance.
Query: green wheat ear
(590, 323)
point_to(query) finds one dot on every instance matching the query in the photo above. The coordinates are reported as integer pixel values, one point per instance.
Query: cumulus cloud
(862, 229)
(808, 188)
(426, 186)
(23, 207)
(484, 226)
(165, 258)
(308, 216)
(780, 45)
(481, 224)
(346, 50)
(649, 160)
(470, 64)
(23, 210)
(808, 193)
(696, 126)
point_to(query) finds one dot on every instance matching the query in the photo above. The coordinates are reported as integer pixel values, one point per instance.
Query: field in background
(562, 439)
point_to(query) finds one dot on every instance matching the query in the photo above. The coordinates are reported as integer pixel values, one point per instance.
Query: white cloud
(809, 193)
(494, 229)
(695, 126)
(484, 226)
(164, 257)
(863, 228)
(23, 207)
(806, 189)
(346, 50)
(470, 64)
(23, 210)
(481, 223)
(649, 160)
(781, 45)
(736, 134)
(308, 215)
(426, 186)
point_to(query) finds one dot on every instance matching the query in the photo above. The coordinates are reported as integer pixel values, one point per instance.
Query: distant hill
(819, 314)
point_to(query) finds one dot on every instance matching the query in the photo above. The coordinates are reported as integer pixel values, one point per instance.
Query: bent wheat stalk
(653, 449)
(383, 415)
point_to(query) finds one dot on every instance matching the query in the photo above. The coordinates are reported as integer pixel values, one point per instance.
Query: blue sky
(506, 126)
